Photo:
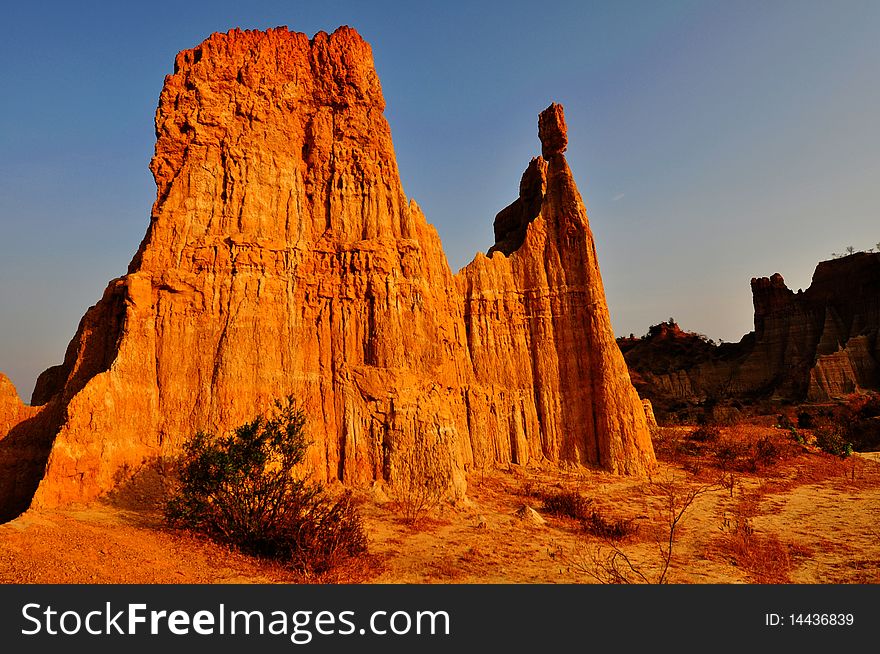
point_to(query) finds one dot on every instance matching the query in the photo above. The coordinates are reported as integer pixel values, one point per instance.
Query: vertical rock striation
(282, 257)
(539, 333)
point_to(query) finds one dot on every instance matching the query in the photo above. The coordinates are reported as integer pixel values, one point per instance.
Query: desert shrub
(330, 531)
(242, 489)
(569, 504)
(862, 419)
(705, 434)
(764, 453)
(610, 564)
(831, 440)
(598, 525)
(666, 444)
(418, 492)
(531, 489)
(730, 454)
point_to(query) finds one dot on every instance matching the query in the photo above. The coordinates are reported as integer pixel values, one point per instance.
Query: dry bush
(531, 489)
(330, 532)
(764, 454)
(705, 434)
(730, 454)
(352, 570)
(418, 494)
(610, 564)
(568, 504)
(668, 441)
(665, 443)
(832, 439)
(612, 530)
(571, 504)
(732, 449)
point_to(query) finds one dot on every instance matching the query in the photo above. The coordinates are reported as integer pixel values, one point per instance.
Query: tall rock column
(539, 331)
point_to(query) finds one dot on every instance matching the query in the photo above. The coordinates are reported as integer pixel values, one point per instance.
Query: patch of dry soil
(825, 513)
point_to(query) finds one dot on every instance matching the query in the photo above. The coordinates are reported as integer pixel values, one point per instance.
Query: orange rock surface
(25, 434)
(12, 409)
(283, 257)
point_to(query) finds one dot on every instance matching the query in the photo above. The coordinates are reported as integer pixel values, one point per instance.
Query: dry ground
(804, 517)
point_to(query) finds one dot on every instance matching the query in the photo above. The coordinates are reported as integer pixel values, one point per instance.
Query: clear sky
(713, 141)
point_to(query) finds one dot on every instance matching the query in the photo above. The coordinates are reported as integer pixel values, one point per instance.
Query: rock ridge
(816, 345)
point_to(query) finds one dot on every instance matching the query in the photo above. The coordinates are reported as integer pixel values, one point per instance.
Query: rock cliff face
(24, 446)
(283, 257)
(12, 409)
(550, 381)
(813, 345)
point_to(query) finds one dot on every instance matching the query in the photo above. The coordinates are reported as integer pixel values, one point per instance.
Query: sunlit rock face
(282, 257)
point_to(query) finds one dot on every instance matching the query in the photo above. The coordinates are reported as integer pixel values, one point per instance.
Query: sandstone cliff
(282, 257)
(815, 345)
(12, 409)
(25, 438)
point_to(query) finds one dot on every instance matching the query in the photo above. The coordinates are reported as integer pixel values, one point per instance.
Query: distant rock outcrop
(12, 409)
(283, 257)
(25, 438)
(811, 346)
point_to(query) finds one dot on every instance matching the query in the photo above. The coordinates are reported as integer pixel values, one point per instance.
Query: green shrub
(831, 440)
(241, 489)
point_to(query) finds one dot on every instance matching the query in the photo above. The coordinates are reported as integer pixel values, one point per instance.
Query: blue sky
(713, 141)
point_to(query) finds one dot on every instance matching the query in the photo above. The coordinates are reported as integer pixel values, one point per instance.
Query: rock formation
(282, 257)
(811, 346)
(24, 445)
(12, 409)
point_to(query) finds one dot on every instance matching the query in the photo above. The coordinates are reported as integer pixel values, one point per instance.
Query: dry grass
(352, 570)
(765, 557)
(804, 517)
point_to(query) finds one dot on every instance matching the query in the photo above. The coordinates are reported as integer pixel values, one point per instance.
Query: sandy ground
(810, 518)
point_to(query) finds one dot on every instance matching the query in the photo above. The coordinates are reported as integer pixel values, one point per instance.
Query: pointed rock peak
(552, 131)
